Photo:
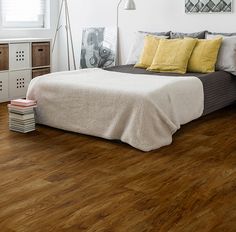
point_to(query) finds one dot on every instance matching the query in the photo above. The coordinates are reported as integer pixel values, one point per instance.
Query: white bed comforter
(141, 110)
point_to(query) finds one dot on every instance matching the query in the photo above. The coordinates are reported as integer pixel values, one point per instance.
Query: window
(23, 13)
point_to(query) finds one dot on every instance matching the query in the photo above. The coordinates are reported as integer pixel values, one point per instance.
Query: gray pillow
(223, 34)
(165, 33)
(178, 35)
(227, 55)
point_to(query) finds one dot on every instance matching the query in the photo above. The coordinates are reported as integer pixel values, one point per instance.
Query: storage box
(18, 83)
(4, 57)
(19, 56)
(40, 72)
(40, 54)
(3, 87)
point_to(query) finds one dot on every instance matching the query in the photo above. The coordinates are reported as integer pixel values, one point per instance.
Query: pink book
(10, 106)
(23, 102)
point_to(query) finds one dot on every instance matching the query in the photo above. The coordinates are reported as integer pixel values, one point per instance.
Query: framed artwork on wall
(208, 6)
(99, 47)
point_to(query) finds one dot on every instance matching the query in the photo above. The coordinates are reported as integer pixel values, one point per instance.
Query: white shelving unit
(20, 59)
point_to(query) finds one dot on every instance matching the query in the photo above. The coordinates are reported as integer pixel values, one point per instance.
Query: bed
(219, 87)
(138, 107)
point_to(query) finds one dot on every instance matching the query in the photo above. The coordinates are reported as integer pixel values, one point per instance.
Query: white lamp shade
(130, 5)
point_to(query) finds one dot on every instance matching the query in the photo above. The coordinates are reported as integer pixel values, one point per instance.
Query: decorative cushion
(150, 47)
(204, 56)
(221, 34)
(138, 44)
(163, 33)
(227, 55)
(178, 35)
(173, 55)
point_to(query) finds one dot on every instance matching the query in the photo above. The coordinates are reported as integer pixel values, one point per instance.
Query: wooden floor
(52, 180)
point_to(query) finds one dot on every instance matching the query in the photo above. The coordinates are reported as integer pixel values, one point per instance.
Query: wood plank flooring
(51, 180)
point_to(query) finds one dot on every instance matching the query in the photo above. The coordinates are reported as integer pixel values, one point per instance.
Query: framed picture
(208, 6)
(99, 47)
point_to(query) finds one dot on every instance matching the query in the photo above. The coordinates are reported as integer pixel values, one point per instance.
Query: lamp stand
(69, 40)
(129, 5)
(117, 27)
(117, 14)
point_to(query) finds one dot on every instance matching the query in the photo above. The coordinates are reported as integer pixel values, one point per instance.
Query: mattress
(219, 87)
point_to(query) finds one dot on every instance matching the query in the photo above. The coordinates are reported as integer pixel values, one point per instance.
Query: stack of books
(21, 115)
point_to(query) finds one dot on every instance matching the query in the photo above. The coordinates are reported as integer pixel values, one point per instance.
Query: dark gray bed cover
(219, 87)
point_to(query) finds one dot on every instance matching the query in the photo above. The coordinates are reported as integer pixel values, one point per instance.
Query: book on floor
(21, 112)
(22, 130)
(23, 102)
(21, 115)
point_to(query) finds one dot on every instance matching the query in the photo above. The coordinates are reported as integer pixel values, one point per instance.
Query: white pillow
(137, 47)
(227, 55)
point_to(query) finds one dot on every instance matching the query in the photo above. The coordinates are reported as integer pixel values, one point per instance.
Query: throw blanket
(141, 110)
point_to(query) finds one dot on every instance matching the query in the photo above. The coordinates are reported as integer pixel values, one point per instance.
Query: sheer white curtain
(23, 13)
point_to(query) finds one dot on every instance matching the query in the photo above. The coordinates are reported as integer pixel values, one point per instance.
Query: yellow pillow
(149, 51)
(173, 55)
(204, 56)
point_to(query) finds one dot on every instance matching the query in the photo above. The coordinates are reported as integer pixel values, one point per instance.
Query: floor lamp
(69, 40)
(129, 5)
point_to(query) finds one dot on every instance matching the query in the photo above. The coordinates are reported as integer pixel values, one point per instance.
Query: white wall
(151, 15)
(37, 33)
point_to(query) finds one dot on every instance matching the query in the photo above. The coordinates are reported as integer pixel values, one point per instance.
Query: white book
(23, 127)
(21, 112)
(31, 120)
(22, 131)
(21, 117)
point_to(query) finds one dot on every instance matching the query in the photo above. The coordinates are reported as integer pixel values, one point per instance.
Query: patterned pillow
(197, 35)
